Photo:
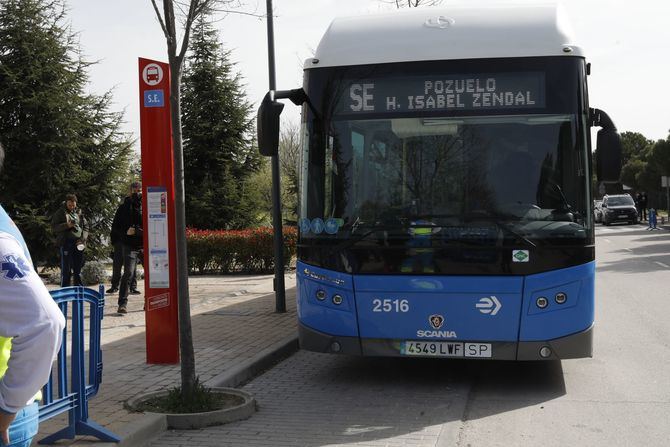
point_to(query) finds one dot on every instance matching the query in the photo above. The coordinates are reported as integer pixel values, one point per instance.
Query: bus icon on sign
(152, 74)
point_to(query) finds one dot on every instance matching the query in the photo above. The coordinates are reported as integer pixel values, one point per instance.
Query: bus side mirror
(267, 125)
(608, 156)
(608, 147)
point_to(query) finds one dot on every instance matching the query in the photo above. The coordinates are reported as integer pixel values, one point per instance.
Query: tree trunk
(185, 332)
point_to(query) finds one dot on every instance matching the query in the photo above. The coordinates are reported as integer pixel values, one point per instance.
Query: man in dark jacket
(116, 238)
(69, 226)
(129, 226)
(643, 206)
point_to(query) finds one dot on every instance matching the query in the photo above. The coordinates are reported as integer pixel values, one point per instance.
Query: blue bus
(445, 204)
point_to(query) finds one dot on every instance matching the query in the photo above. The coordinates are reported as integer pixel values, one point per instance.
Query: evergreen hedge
(236, 251)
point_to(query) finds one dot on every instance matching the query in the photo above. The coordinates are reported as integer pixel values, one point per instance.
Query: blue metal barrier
(82, 386)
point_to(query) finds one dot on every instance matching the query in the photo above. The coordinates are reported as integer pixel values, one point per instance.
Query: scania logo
(436, 321)
(440, 22)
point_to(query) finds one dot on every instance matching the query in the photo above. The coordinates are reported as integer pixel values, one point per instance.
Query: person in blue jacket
(31, 328)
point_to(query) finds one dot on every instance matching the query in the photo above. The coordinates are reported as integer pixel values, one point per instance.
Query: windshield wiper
(517, 234)
(359, 237)
(495, 218)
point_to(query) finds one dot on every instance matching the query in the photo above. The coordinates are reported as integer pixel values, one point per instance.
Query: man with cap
(69, 227)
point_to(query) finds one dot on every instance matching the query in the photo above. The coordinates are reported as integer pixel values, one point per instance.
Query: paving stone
(221, 307)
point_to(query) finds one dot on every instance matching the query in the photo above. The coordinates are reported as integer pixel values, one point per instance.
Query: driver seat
(516, 185)
(516, 175)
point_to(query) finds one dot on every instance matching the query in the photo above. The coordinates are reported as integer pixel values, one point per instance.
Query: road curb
(255, 365)
(139, 432)
(150, 425)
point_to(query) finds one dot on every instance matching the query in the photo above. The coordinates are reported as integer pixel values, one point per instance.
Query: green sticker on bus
(520, 255)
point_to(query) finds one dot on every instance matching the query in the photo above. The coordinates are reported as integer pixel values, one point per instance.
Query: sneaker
(112, 290)
(135, 292)
(122, 310)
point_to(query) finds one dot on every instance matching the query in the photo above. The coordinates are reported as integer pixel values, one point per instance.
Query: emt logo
(13, 268)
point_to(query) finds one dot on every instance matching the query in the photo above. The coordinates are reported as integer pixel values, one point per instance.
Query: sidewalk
(234, 323)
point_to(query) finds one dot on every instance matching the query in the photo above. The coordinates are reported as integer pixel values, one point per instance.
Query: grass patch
(202, 400)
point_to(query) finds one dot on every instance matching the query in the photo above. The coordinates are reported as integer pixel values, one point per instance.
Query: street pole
(280, 295)
(667, 197)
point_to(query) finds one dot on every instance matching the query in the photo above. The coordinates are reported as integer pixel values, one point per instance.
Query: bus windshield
(447, 171)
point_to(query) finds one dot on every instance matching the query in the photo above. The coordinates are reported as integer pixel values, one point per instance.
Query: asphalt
(237, 334)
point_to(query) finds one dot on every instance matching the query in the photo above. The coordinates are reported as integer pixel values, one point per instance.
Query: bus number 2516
(389, 305)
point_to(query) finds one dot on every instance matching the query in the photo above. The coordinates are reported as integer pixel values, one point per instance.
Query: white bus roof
(457, 32)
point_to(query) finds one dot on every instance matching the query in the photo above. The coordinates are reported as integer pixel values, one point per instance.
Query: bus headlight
(561, 298)
(320, 295)
(337, 299)
(542, 302)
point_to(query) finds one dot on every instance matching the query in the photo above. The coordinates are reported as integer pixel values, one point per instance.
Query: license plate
(623, 215)
(445, 349)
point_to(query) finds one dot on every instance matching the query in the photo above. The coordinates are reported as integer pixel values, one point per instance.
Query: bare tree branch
(195, 8)
(160, 18)
(252, 14)
(411, 3)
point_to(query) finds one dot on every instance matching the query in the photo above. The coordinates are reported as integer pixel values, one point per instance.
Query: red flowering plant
(228, 251)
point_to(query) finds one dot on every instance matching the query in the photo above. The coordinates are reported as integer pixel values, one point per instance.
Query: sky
(626, 42)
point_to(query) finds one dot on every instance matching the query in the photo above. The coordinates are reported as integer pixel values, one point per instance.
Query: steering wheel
(521, 209)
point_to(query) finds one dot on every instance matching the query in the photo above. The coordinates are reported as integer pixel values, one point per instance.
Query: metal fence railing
(73, 383)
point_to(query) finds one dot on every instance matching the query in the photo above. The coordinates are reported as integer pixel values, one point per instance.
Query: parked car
(598, 211)
(618, 208)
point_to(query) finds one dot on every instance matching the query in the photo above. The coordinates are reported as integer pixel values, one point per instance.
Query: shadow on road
(647, 253)
(510, 384)
(340, 400)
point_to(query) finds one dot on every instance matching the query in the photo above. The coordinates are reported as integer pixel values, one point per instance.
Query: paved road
(621, 397)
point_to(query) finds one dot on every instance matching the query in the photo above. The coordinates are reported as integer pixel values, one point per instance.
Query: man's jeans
(129, 266)
(71, 261)
(117, 264)
(24, 427)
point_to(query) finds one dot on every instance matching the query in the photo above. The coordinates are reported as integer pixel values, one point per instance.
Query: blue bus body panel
(558, 320)
(454, 299)
(324, 315)
(472, 308)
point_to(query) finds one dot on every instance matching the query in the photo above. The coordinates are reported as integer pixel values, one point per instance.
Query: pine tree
(58, 138)
(217, 123)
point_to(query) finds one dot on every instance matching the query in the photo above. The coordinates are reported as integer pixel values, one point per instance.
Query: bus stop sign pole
(158, 214)
(280, 295)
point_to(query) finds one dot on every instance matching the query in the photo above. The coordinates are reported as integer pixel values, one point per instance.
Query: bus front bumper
(577, 345)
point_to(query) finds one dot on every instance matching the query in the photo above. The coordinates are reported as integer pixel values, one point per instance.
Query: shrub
(93, 273)
(54, 277)
(226, 251)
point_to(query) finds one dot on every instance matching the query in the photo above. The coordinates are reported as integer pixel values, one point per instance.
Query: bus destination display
(448, 93)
